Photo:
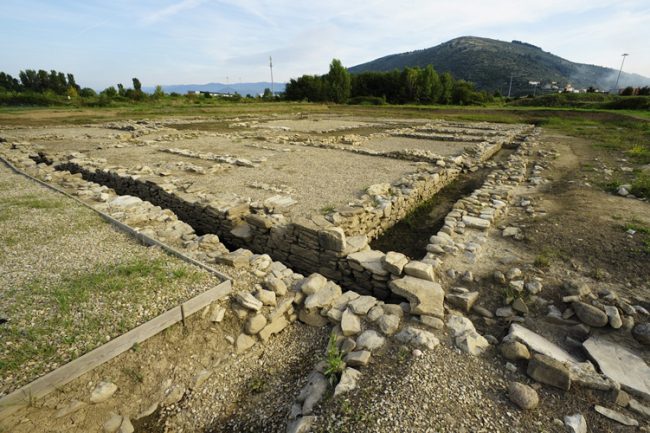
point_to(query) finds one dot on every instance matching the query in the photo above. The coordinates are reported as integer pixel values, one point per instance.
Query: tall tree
(446, 88)
(339, 82)
(72, 82)
(137, 86)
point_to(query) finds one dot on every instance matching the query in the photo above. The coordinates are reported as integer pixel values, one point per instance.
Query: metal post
(620, 70)
(510, 87)
(271, 66)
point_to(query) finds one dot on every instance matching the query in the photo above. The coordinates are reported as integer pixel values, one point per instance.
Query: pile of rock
(598, 310)
(549, 364)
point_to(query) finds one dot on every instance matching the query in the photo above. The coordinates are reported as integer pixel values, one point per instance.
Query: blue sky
(200, 41)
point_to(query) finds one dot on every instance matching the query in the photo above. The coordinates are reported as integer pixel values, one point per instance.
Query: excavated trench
(411, 235)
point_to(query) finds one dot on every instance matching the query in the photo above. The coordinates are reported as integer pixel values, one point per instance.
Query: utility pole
(620, 70)
(271, 66)
(510, 87)
(534, 84)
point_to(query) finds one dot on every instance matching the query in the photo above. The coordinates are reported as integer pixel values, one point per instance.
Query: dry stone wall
(334, 245)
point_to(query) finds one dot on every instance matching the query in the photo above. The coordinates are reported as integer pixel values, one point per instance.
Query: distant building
(213, 94)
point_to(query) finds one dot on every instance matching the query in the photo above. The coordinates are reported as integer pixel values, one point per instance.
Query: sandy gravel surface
(316, 178)
(444, 148)
(312, 124)
(70, 282)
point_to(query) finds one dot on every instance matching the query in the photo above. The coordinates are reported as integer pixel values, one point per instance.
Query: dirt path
(585, 225)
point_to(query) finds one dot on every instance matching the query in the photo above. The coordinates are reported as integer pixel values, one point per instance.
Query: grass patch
(334, 361)
(642, 231)
(639, 153)
(76, 289)
(546, 257)
(641, 185)
(413, 218)
(13, 207)
(32, 201)
(70, 315)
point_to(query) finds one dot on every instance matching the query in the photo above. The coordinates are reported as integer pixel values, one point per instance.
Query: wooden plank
(70, 371)
(198, 302)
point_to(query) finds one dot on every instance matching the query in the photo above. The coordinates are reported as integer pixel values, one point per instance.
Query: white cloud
(169, 11)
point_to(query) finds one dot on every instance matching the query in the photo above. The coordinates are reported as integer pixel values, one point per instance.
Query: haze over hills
(489, 64)
(243, 89)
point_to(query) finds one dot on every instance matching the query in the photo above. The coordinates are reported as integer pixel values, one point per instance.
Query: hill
(489, 63)
(241, 88)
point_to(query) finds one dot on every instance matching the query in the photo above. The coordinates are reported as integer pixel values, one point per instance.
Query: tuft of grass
(640, 153)
(642, 230)
(599, 274)
(134, 375)
(641, 185)
(325, 210)
(334, 361)
(257, 385)
(546, 256)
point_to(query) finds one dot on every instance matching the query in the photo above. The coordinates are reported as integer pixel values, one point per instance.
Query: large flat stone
(476, 223)
(616, 416)
(426, 297)
(549, 371)
(324, 297)
(370, 260)
(418, 269)
(539, 344)
(464, 301)
(125, 201)
(332, 239)
(620, 365)
(350, 323)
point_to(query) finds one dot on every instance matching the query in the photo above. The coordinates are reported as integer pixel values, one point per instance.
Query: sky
(199, 41)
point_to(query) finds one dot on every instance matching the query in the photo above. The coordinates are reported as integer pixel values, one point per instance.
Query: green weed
(334, 360)
(325, 210)
(641, 185)
(641, 230)
(134, 375)
(257, 385)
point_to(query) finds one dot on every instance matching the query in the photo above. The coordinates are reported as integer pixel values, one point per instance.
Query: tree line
(408, 86)
(40, 81)
(42, 88)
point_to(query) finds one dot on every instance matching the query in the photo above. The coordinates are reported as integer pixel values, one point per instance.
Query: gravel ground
(70, 282)
(443, 148)
(441, 391)
(300, 171)
(312, 125)
(254, 391)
